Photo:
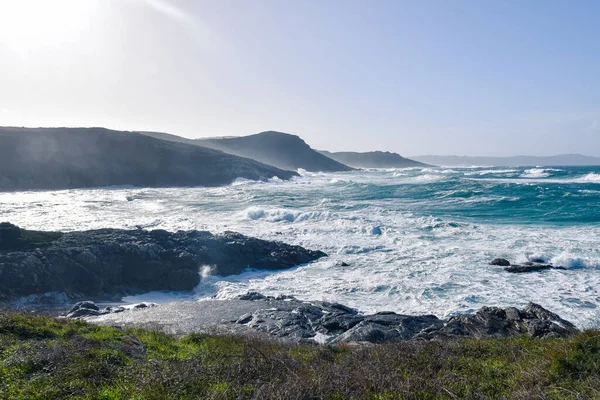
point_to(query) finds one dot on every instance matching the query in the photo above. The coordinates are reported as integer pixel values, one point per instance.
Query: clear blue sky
(416, 77)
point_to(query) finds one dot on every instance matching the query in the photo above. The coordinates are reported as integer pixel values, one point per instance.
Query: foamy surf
(415, 243)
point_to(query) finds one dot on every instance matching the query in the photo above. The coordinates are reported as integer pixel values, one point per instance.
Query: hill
(558, 160)
(281, 150)
(373, 159)
(63, 158)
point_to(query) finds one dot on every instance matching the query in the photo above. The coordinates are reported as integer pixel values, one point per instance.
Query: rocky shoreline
(111, 263)
(290, 319)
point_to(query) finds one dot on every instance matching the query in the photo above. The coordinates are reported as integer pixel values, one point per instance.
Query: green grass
(44, 358)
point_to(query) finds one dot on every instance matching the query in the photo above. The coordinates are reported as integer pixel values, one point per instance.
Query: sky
(491, 78)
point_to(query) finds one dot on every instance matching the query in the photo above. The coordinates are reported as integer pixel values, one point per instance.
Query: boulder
(83, 309)
(501, 262)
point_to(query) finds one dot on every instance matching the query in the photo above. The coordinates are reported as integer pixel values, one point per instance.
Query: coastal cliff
(66, 158)
(281, 150)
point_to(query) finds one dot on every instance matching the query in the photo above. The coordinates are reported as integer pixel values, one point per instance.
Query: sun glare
(27, 25)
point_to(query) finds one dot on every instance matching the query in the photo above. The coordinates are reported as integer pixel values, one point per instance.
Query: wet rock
(325, 322)
(114, 309)
(109, 263)
(367, 332)
(388, 327)
(538, 260)
(252, 296)
(285, 297)
(534, 321)
(244, 319)
(305, 320)
(86, 309)
(144, 305)
(83, 309)
(530, 267)
(535, 264)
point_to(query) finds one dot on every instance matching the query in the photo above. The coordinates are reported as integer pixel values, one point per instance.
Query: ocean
(415, 241)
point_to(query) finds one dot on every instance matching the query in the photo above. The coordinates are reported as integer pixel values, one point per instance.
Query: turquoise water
(417, 240)
(558, 196)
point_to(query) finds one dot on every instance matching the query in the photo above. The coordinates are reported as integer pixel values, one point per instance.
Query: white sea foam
(536, 173)
(492, 172)
(591, 177)
(399, 258)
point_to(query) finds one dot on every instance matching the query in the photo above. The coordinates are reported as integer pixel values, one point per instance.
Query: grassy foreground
(45, 358)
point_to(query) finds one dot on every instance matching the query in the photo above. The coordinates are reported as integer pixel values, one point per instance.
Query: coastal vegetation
(47, 358)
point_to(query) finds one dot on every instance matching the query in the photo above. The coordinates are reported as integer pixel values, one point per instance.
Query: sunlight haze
(432, 77)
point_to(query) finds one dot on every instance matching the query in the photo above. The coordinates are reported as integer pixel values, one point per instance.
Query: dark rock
(538, 260)
(303, 320)
(501, 262)
(83, 309)
(376, 230)
(530, 267)
(393, 326)
(144, 305)
(90, 305)
(487, 322)
(106, 263)
(325, 322)
(252, 296)
(285, 297)
(114, 310)
(366, 332)
(535, 264)
(336, 323)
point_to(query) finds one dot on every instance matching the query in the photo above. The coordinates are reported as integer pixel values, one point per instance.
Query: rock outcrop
(342, 324)
(106, 263)
(65, 158)
(529, 266)
(88, 308)
(533, 320)
(287, 318)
